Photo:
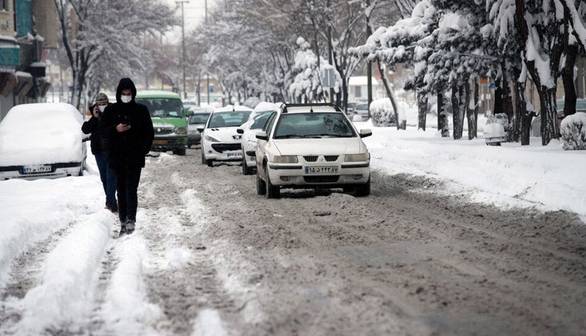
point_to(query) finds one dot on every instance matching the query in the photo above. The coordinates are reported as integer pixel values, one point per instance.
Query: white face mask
(102, 107)
(126, 99)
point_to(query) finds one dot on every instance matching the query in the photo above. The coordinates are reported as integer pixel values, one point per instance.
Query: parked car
(41, 141)
(248, 131)
(220, 140)
(196, 120)
(169, 120)
(360, 112)
(312, 146)
(495, 130)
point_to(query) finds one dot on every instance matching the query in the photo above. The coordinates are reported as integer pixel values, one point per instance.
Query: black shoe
(130, 224)
(112, 208)
(123, 228)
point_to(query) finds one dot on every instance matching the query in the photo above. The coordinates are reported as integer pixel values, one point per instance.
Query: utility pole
(182, 2)
(207, 72)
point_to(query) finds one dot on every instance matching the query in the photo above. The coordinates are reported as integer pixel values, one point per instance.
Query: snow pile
(41, 133)
(65, 293)
(126, 309)
(381, 112)
(209, 323)
(573, 131)
(33, 210)
(177, 257)
(511, 175)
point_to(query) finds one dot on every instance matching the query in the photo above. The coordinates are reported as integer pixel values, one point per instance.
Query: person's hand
(121, 128)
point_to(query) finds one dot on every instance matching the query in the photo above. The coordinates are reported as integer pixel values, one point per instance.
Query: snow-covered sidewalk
(547, 178)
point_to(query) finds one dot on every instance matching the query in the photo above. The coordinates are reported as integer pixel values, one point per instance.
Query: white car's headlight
(356, 157)
(285, 159)
(181, 130)
(211, 139)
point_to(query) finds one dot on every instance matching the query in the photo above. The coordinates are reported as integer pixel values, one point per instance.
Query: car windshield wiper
(328, 135)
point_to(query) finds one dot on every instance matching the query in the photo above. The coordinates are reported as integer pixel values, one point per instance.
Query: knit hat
(102, 99)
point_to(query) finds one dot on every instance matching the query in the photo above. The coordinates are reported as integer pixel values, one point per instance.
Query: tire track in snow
(183, 281)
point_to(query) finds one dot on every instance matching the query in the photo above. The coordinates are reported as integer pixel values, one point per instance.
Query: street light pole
(207, 72)
(182, 2)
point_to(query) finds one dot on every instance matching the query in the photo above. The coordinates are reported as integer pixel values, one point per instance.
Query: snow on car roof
(230, 108)
(40, 133)
(266, 106)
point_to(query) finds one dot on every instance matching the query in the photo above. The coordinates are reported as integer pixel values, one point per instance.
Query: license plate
(160, 142)
(234, 155)
(321, 170)
(36, 169)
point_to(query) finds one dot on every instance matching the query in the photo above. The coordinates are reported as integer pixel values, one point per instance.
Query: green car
(169, 119)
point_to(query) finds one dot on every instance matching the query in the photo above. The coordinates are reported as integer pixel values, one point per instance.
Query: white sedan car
(312, 146)
(41, 141)
(220, 141)
(248, 131)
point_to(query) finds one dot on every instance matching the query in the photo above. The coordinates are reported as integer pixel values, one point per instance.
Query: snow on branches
(307, 73)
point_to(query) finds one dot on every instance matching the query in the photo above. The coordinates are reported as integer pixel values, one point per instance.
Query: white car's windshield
(313, 125)
(228, 119)
(261, 120)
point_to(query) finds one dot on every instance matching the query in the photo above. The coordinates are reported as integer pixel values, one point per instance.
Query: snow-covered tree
(307, 71)
(108, 32)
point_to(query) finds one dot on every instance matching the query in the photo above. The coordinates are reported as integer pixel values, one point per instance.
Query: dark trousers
(128, 178)
(108, 178)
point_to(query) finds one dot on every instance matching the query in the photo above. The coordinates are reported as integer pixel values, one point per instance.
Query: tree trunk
(472, 113)
(568, 77)
(548, 113)
(526, 116)
(457, 111)
(520, 112)
(442, 120)
(390, 95)
(421, 109)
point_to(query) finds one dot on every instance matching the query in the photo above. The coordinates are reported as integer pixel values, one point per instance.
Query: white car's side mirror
(200, 129)
(365, 133)
(262, 136)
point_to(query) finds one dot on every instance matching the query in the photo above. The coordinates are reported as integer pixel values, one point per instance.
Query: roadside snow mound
(573, 131)
(381, 112)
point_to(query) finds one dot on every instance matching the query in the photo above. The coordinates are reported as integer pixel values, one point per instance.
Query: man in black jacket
(130, 134)
(95, 126)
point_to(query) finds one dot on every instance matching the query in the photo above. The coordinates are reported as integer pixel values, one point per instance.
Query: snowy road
(211, 258)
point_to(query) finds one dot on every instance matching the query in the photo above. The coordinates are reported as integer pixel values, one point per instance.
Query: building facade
(27, 29)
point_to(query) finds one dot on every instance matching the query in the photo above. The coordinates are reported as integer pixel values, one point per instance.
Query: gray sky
(194, 15)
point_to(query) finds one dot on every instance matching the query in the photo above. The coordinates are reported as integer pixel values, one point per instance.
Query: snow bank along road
(211, 258)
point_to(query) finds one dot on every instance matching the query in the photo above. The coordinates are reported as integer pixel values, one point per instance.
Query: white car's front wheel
(363, 190)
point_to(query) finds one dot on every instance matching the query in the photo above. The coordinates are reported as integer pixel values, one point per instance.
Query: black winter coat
(128, 148)
(99, 136)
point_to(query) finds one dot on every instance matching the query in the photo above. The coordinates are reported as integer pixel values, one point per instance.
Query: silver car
(198, 119)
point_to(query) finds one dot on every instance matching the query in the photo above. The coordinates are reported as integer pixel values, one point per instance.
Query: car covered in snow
(495, 130)
(312, 146)
(197, 119)
(220, 139)
(41, 141)
(259, 119)
(169, 120)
